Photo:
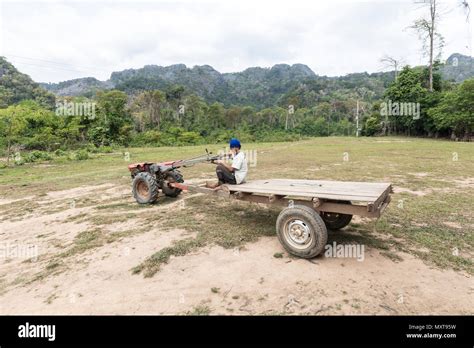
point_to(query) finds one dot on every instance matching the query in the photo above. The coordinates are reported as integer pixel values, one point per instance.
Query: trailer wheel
(173, 176)
(145, 188)
(336, 221)
(301, 231)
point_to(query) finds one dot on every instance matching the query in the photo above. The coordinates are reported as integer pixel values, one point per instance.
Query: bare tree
(391, 63)
(427, 31)
(467, 9)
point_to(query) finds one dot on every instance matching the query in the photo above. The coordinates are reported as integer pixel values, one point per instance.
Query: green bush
(43, 141)
(372, 126)
(91, 148)
(60, 153)
(105, 149)
(189, 138)
(81, 155)
(151, 137)
(35, 156)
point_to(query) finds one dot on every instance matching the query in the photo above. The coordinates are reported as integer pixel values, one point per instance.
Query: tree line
(175, 117)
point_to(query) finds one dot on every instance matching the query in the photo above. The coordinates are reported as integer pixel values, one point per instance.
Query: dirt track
(247, 280)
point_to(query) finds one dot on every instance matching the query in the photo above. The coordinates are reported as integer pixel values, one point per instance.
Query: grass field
(430, 216)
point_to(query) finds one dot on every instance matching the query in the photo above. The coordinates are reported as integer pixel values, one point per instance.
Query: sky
(54, 41)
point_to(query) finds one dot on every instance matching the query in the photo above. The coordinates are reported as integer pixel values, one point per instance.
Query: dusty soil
(245, 280)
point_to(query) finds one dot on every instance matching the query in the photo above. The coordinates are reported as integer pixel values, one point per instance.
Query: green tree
(455, 112)
(12, 125)
(147, 110)
(408, 88)
(114, 120)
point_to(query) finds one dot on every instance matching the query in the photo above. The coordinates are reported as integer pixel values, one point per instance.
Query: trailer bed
(345, 197)
(323, 189)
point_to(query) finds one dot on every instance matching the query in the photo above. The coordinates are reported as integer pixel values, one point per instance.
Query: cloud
(59, 40)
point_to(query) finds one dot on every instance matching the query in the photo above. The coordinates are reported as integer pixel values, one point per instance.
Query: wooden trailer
(310, 206)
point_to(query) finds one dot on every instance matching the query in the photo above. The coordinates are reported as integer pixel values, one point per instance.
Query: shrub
(372, 126)
(189, 138)
(91, 148)
(151, 137)
(81, 155)
(60, 153)
(36, 156)
(105, 149)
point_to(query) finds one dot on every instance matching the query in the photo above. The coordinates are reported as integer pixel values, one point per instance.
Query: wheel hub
(142, 189)
(298, 232)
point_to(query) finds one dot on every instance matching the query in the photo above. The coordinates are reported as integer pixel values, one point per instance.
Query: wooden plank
(344, 197)
(281, 192)
(329, 190)
(333, 190)
(317, 185)
(382, 197)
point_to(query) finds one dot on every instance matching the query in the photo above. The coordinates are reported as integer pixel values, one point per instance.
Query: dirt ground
(255, 278)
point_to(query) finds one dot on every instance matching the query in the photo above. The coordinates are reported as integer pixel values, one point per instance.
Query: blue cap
(234, 143)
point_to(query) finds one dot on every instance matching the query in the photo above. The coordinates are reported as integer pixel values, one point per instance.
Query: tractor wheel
(173, 176)
(336, 221)
(301, 231)
(145, 188)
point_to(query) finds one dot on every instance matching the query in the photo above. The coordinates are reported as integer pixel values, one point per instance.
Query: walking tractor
(311, 207)
(149, 178)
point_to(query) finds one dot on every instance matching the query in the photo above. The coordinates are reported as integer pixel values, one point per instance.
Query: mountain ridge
(251, 86)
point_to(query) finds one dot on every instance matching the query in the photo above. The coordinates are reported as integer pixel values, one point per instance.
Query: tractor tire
(336, 221)
(301, 231)
(145, 188)
(174, 176)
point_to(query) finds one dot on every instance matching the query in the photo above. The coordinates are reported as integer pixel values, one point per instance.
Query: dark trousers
(224, 175)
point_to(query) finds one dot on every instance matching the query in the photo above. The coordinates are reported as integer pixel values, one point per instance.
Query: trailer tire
(336, 221)
(301, 231)
(174, 176)
(145, 188)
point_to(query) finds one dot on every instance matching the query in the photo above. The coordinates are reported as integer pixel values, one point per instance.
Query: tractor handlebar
(200, 159)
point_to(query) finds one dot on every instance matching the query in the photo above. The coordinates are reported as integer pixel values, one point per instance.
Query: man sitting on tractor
(234, 173)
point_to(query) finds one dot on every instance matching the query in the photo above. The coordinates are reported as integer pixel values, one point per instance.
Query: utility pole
(291, 110)
(357, 119)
